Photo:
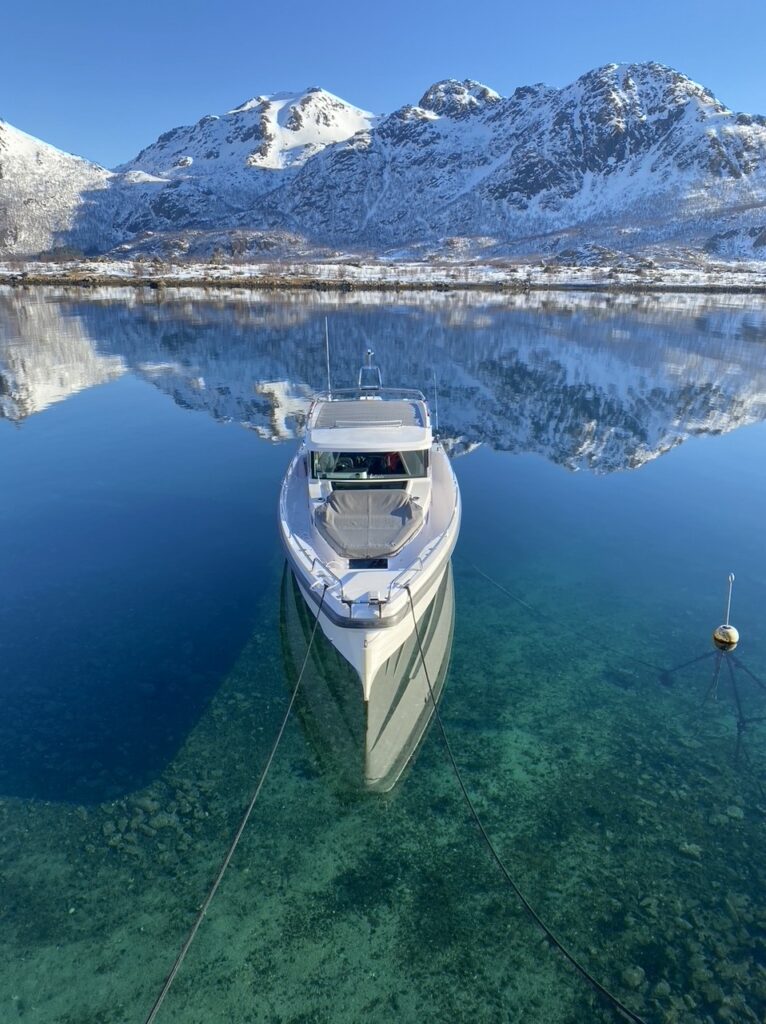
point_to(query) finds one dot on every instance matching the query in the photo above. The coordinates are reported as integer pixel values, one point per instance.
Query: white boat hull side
(401, 703)
(367, 744)
(368, 649)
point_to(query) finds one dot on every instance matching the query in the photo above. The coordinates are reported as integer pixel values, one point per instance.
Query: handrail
(338, 394)
(423, 556)
(326, 568)
(412, 567)
(309, 553)
(326, 396)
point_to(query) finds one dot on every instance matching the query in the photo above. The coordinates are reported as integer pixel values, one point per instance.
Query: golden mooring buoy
(726, 637)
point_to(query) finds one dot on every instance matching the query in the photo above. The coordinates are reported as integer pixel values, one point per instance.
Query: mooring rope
(599, 641)
(237, 836)
(581, 970)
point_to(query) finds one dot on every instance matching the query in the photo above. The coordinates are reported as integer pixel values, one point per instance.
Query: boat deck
(299, 511)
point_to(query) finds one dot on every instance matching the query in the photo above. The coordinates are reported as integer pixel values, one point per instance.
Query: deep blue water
(134, 543)
(612, 462)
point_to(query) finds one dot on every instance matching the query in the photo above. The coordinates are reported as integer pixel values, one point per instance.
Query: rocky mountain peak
(648, 89)
(451, 98)
(267, 132)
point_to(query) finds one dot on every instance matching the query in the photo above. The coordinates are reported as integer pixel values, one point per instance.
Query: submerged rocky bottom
(621, 795)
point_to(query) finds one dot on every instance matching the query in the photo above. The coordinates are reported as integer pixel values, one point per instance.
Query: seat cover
(368, 522)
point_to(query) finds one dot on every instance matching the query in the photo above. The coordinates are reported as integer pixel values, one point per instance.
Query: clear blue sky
(104, 79)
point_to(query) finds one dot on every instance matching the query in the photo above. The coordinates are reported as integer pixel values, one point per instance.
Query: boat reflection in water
(366, 745)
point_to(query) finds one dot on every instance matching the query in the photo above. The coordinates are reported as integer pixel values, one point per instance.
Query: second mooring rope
(237, 836)
(581, 970)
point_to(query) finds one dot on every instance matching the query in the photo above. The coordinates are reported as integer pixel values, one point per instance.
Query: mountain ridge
(628, 156)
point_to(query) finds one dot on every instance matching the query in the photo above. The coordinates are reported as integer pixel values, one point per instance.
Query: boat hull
(367, 743)
(367, 648)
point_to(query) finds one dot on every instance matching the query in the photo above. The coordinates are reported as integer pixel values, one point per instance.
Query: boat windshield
(369, 465)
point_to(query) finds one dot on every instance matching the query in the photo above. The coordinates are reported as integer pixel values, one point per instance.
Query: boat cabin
(368, 465)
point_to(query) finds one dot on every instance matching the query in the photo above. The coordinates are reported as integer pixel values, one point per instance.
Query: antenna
(327, 355)
(728, 603)
(436, 402)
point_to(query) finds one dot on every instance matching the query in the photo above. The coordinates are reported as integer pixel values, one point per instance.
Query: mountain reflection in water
(589, 382)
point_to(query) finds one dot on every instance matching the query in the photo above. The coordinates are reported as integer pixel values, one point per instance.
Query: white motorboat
(369, 515)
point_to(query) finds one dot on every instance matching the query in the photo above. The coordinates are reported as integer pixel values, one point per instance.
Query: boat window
(369, 465)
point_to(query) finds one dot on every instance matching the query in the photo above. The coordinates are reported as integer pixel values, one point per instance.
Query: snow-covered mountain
(201, 176)
(628, 156)
(594, 386)
(639, 146)
(49, 198)
(214, 172)
(266, 132)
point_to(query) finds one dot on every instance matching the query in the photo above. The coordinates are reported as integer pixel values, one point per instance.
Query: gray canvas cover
(368, 414)
(368, 522)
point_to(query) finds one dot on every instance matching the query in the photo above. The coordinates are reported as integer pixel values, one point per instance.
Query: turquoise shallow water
(611, 461)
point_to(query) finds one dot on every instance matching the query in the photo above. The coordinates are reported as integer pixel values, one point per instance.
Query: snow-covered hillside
(49, 198)
(627, 158)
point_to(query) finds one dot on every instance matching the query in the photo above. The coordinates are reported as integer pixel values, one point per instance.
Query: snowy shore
(394, 276)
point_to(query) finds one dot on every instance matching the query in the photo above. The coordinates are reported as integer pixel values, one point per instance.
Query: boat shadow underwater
(366, 746)
(86, 729)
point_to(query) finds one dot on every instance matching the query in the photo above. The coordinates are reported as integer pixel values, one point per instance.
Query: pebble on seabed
(633, 976)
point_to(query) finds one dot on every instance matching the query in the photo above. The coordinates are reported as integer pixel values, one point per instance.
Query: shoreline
(376, 277)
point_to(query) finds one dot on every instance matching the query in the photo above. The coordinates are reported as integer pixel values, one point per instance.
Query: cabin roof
(369, 425)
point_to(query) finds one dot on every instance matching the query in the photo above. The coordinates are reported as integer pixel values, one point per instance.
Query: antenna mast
(436, 401)
(327, 355)
(728, 603)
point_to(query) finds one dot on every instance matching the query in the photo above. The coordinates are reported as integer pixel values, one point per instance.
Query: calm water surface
(612, 460)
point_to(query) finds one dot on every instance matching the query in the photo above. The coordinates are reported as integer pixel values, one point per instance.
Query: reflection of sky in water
(141, 662)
